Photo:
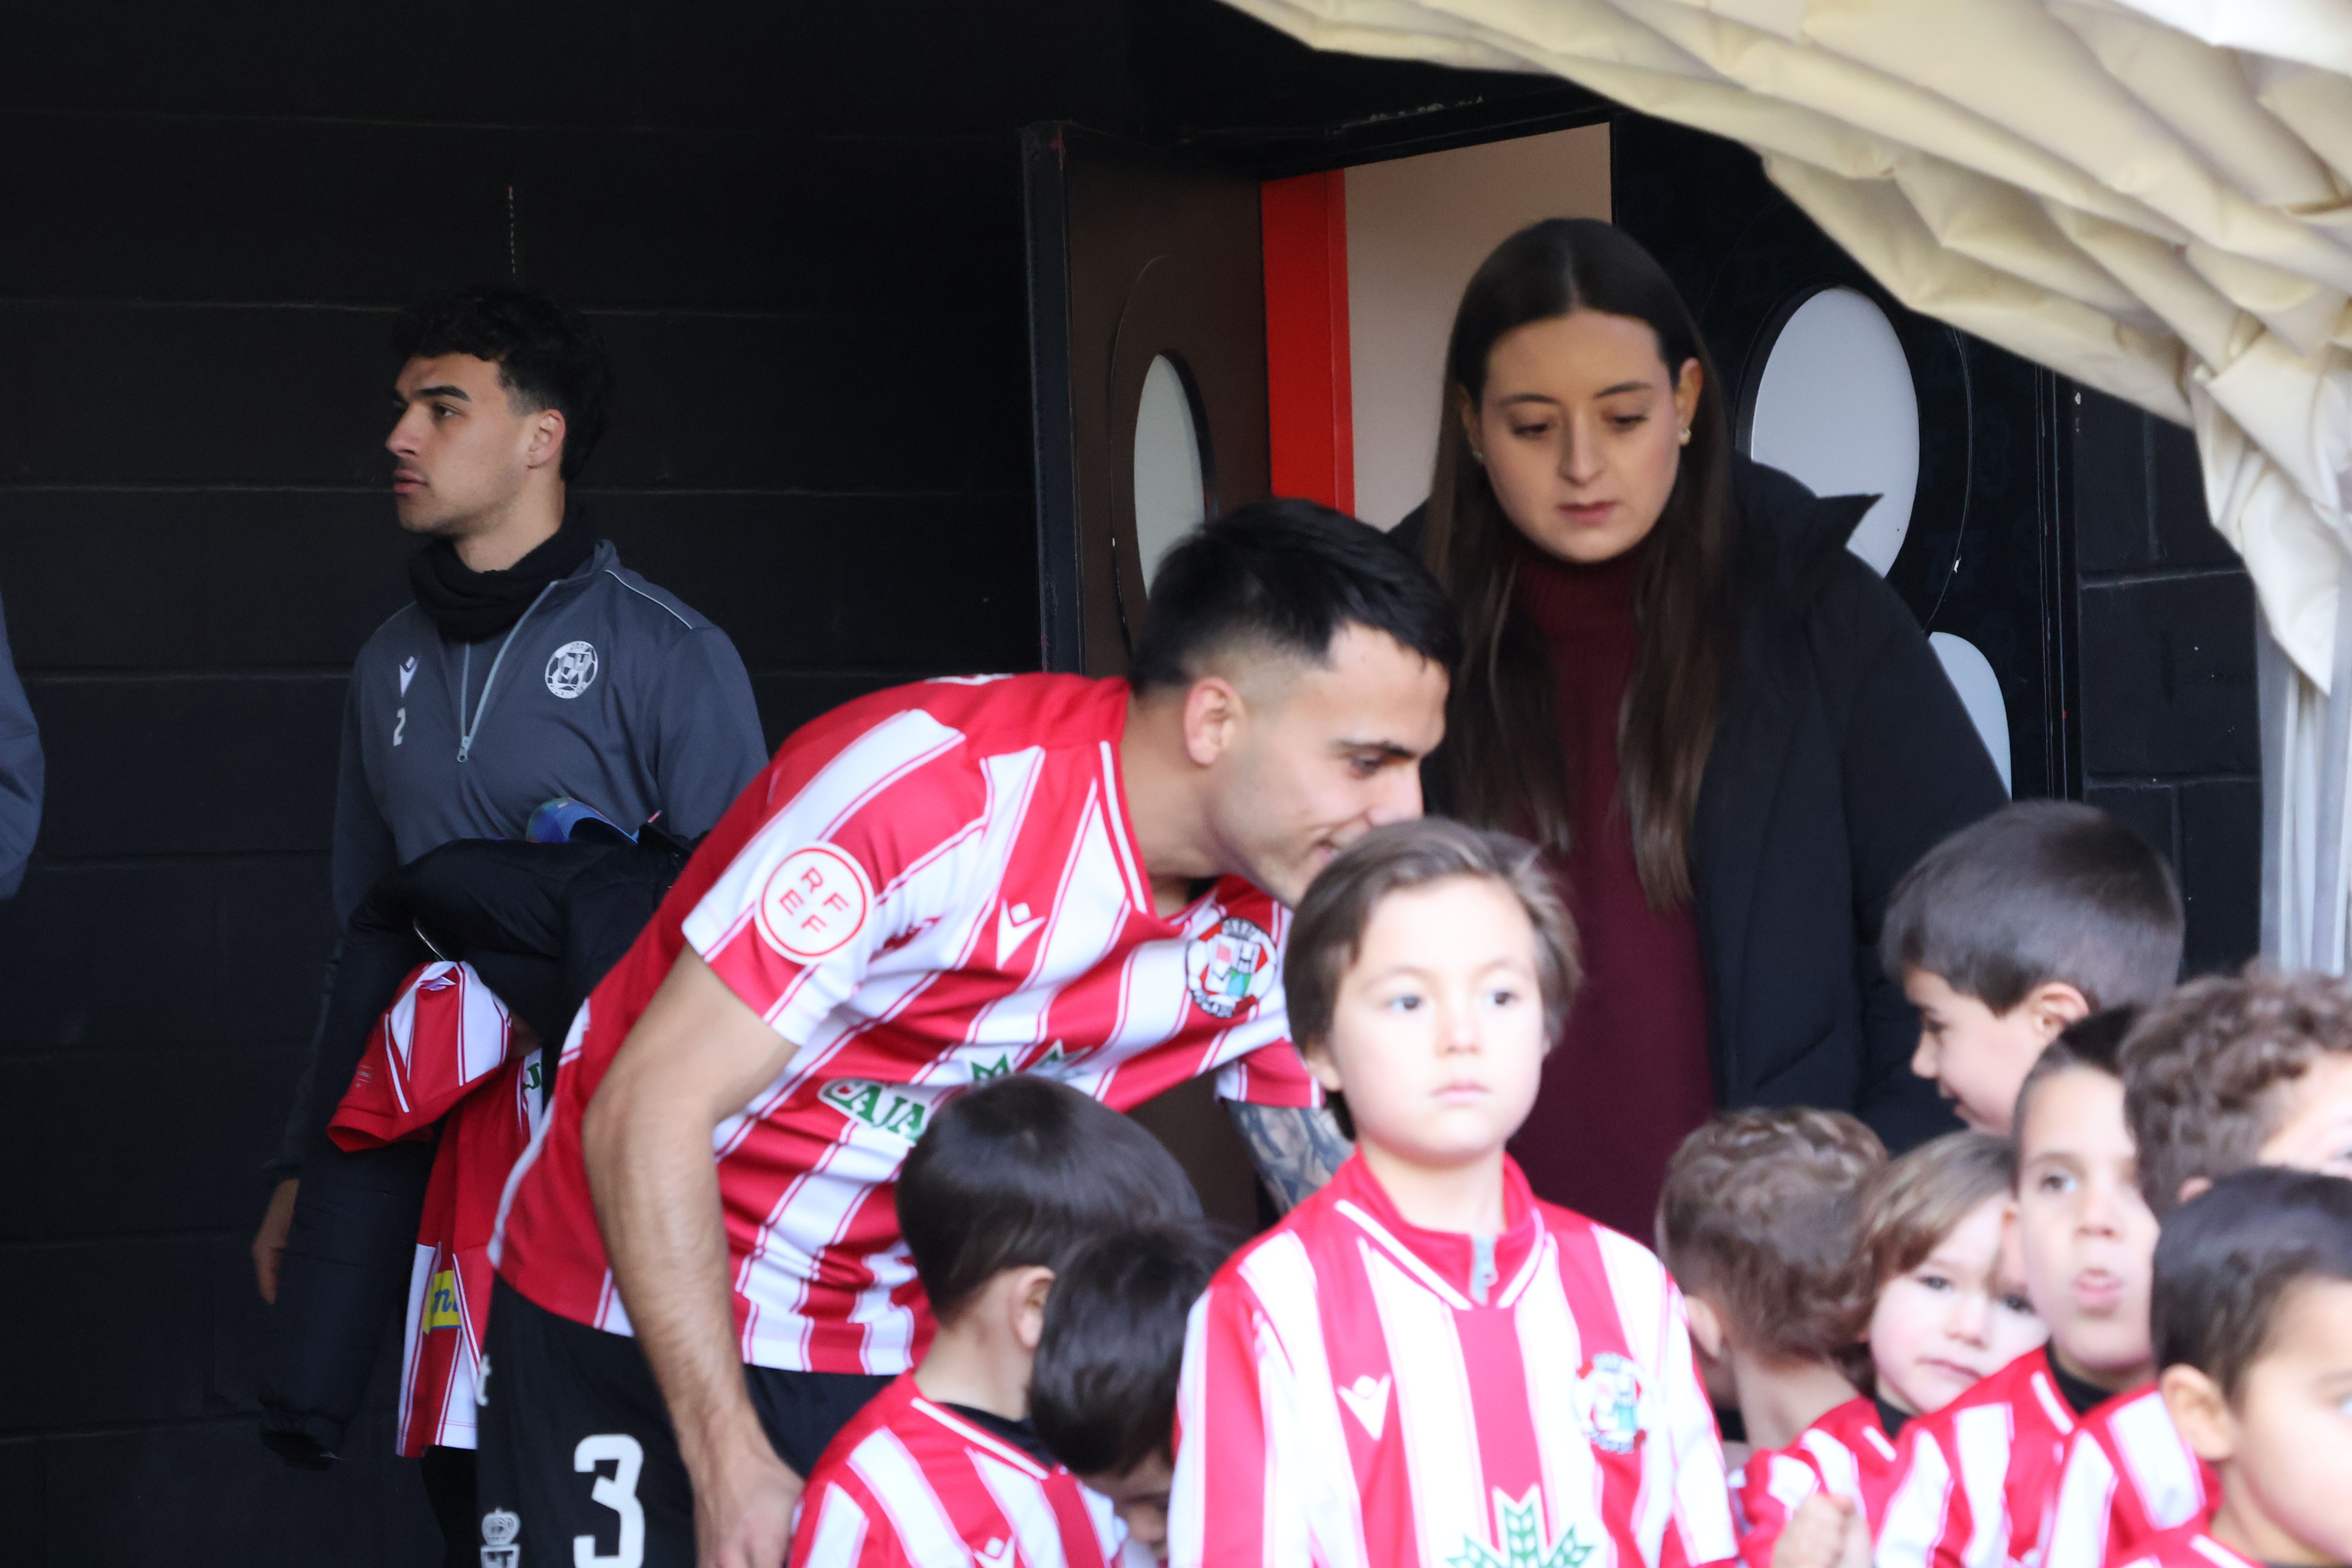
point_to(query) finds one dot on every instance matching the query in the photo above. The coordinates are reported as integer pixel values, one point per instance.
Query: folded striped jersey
(440, 1056)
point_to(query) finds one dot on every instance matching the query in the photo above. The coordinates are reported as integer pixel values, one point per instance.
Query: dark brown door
(1137, 256)
(1134, 255)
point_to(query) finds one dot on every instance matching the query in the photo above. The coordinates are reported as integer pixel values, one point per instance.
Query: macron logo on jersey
(1014, 926)
(1368, 1397)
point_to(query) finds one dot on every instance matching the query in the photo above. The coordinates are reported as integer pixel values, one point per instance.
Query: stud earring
(1686, 429)
(1479, 457)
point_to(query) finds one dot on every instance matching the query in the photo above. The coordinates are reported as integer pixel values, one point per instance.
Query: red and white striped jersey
(910, 1484)
(2184, 1546)
(1358, 1390)
(441, 1052)
(2127, 1476)
(1974, 1481)
(927, 888)
(1846, 1453)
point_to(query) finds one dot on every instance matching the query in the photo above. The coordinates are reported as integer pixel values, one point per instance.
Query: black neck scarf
(474, 606)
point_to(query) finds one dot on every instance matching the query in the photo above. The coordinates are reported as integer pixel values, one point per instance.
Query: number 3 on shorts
(617, 1491)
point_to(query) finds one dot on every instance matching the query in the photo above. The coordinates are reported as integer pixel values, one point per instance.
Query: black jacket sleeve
(1914, 773)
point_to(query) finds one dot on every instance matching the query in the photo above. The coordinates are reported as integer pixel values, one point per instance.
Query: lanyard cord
(465, 676)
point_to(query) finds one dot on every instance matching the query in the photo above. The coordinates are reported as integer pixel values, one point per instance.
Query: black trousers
(576, 1442)
(449, 1488)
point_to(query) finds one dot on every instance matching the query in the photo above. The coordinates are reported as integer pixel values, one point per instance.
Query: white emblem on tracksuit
(400, 715)
(573, 669)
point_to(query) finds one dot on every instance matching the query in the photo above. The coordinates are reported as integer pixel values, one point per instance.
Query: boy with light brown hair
(2237, 1070)
(1948, 1310)
(1757, 1223)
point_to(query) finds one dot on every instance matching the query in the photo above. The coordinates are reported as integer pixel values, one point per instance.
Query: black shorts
(575, 1441)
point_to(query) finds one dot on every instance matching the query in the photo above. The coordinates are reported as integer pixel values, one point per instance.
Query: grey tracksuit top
(608, 690)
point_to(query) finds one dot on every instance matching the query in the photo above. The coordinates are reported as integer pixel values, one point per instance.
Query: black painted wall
(2169, 731)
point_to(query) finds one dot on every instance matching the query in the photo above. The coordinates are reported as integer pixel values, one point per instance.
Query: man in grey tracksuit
(533, 664)
(606, 689)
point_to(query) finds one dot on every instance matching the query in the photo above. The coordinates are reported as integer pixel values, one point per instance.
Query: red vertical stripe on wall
(1310, 418)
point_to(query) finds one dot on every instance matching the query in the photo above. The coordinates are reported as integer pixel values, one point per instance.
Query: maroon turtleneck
(1630, 1076)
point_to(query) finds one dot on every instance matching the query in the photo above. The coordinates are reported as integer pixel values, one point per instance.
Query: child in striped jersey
(943, 1467)
(1948, 1310)
(1423, 1365)
(2229, 1072)
(1757, 1223)
(1977, 1479)
(2253, 1325)
(1103, 1393)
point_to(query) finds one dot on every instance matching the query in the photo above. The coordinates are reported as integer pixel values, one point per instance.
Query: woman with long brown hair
(1730, 735)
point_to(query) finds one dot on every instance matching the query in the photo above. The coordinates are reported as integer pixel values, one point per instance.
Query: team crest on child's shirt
(1229, 966)
(1609, 1402)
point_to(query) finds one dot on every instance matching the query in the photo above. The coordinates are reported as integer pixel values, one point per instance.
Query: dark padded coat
(1842, 754)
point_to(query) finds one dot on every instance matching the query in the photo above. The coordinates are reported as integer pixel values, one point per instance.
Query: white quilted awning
(2153, 197)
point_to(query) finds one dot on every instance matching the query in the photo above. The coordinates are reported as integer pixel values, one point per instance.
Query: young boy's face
(1978, 1057)
(2314, 1126)
(2284, 1444)
(1140, 1498)
(2087, 1237)
(1437, 1034)
(1954, 1320)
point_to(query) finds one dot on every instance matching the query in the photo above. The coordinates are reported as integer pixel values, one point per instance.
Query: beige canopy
(2153, 197)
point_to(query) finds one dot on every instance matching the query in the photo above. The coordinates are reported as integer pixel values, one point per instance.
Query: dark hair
(2040, 891)
(2206, 1073)
(1916, 1201)
(547, 354)
(1286, 575)
(1018, 1172)
(1328, 929)
(2225, 1261)
(2094, 1044)
(1761, 1214)
(1501, 765)
(1102, 1391)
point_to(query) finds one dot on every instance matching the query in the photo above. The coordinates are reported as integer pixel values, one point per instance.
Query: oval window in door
(1171, 485)
(1836, 409)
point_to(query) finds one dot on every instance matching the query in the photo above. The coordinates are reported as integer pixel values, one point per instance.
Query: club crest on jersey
(814, 903)
(1229, 966)
(1609, 1397)
(1520, 1531)
(501, 1527)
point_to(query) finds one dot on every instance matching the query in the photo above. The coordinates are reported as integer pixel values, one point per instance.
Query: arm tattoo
(1296, 1149)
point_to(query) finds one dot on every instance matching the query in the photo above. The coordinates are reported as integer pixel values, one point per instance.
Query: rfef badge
(1229, 966)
